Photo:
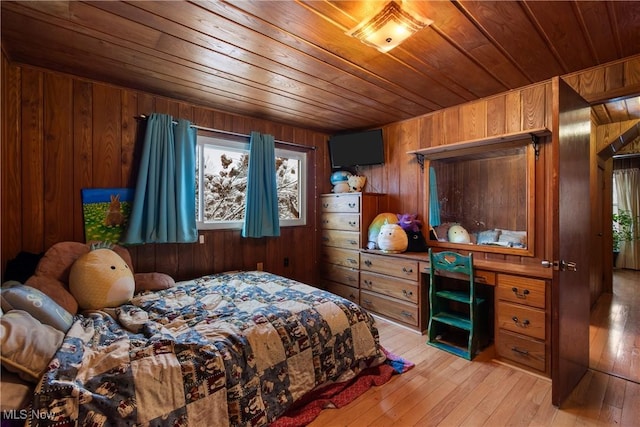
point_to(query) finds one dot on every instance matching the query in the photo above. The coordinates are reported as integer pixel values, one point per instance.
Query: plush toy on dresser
(412, 226)
(357, 183)
(340, 181)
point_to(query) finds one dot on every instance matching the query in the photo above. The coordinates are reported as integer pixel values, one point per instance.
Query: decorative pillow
(488, 237)
(515, 237)
(153, 281)
(27, 345)
(101, 278)
(16, 296)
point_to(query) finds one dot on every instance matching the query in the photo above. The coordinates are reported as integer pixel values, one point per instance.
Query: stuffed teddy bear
(100, 279)
(356, 183)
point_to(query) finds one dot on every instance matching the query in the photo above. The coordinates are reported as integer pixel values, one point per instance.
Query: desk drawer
(392, 266)
(521, 319)
(521, 290)
(340, 203)
(402, 289)
(524, 350)
(341, 239)
(352, 294)
(399, 310)
(481, 276)
(341, 221)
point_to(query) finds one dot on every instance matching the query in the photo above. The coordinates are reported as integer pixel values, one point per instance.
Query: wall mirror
(484, 197)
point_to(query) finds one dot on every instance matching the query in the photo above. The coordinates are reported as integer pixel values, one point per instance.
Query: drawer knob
(352, 205)
(522, 324)
(352, 296)
(406, 313)
(352, 261)
(369, 283)
(520, 351)
(367, 263)
(351, 279)
(522, 295)
(352, 223)
(325, 205)
(366, 301)
(353, 242)
(325, 239)
(407, 293)
(407, 270)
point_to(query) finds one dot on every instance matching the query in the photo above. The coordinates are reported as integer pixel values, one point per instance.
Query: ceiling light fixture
(390, 27)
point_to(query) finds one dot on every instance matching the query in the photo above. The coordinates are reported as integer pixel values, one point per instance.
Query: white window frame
(240, 146)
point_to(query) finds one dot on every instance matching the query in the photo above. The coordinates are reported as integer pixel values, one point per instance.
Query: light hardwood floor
(444, 390)
(614, 344)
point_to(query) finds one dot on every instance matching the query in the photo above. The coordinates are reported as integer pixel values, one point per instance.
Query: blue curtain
(163, 208)
(434, 204)
(261, 209)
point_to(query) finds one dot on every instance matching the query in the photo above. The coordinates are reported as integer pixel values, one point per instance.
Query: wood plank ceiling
(291, 61)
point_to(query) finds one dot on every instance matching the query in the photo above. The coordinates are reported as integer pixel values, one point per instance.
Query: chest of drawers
(345, 219)
(522, 322)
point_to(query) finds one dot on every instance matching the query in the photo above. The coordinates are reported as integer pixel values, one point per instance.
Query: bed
(235, 348)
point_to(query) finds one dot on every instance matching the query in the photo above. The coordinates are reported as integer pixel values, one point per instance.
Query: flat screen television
(348, 150)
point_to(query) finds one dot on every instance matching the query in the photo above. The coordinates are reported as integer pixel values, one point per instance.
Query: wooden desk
(396, 286)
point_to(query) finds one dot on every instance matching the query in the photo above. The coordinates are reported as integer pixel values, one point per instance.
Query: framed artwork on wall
(106, 213)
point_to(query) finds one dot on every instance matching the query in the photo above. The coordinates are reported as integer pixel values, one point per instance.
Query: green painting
(106, 212)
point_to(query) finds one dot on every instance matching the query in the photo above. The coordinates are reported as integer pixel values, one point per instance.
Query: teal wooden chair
(454, 311)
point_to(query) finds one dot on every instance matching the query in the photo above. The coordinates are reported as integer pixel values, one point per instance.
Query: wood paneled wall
(402, 179)
(61, 134)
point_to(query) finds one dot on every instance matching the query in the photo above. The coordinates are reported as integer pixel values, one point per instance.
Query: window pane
(225, 184)
(287, 177)
(224, 167)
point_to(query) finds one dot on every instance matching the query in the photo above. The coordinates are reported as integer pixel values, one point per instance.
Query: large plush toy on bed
(101, 278)
(53, 272)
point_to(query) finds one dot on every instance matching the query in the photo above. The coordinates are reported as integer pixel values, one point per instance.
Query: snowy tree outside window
(222, 166)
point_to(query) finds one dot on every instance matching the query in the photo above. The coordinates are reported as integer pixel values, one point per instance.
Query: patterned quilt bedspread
(227, 349)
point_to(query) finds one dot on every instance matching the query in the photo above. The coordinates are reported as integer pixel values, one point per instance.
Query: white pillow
(27, 345)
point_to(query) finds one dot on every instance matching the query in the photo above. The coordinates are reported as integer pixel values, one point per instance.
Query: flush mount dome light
(390, 27)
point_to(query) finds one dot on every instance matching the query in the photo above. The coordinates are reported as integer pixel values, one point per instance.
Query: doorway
(615, 328)
(615, 319)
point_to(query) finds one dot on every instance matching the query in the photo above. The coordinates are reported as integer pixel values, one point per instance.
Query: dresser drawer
(523, 350)
(521, 290)
(348, 292)
(397, 267)
(341, 221)
(340, 203)
(399, 310)
(521, 319)
(345, 257)
(338, 273)
(341, 239)
(402, 289)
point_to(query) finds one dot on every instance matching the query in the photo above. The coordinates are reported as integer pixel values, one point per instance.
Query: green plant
(623, 228)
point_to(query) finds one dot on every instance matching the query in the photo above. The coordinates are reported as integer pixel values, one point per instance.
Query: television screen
(356, 149)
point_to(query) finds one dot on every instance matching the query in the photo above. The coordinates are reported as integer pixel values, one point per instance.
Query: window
(221, 167)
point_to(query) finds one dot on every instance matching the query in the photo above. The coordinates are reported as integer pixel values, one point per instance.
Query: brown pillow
(153, 281)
